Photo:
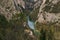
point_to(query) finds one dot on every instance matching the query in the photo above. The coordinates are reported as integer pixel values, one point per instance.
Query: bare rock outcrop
(49, 11)
(49, 16)
(10, 7)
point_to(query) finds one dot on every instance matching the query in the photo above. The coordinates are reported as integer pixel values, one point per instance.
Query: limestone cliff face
(49, 11)
(7, 8)
(49, 14)
(10, 7)
(22, 3)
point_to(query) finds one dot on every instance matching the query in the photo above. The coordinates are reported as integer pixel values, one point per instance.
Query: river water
(30, 23)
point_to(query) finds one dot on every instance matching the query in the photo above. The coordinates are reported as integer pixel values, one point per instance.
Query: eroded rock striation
(49, 11)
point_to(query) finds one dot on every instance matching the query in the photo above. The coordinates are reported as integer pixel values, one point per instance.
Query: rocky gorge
(29, 19)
